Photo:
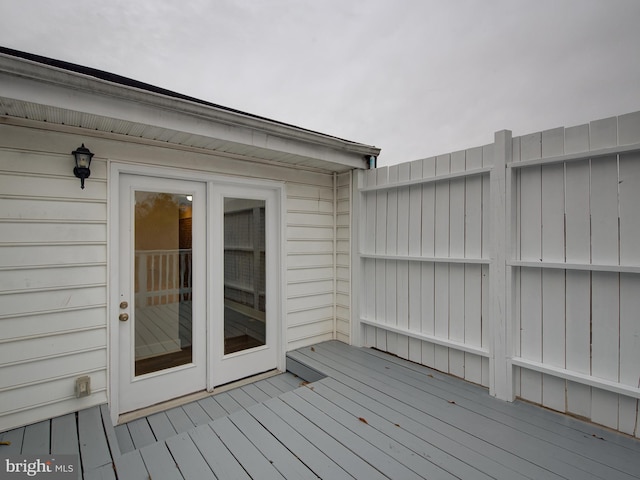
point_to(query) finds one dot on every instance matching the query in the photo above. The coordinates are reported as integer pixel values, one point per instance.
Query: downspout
(335, 255)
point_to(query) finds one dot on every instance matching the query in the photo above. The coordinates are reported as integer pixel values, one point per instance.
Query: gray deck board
(141, 433)
(316, 459)
(368, 415)
(64, 435)
(64, 438)
(131, 466)
(36, 438)
(539, 453)
(212, 407)
(255, 393)
(123, 436)
(94, 448)
(109, 430)
(507, 413)
(268, 388)
(179, 419)
(217, 455)
(251, 459)
(278, 455)
(281, 384)
(292, 380)
(196, 414)
(369, 447)
(422, 457)
(242, 397)
(104, 472)
(159, 463)
(430, 443)
(228, 403)
(349, 461)
(500, 435)
(576, 451)
(161, 426)
(191, 464)
(437, 417)
(14, 439)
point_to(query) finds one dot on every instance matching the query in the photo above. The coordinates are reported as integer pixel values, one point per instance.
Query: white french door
(245, 283)
(162, 285)
(198, 298)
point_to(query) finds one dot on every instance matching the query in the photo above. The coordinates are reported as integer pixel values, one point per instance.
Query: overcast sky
(414, 77)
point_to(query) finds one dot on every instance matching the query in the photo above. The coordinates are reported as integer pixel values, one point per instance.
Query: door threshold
(193, 397)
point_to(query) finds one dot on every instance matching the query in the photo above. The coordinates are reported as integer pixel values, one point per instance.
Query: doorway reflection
(244, 274)
(163, 281)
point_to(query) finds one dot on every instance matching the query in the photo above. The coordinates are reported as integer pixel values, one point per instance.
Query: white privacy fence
(515, 265)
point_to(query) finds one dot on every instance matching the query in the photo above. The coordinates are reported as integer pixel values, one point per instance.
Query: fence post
(500, 369)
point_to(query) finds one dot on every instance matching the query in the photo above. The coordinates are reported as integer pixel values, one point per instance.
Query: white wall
(53, 261)
(515, 266)
(53, 282)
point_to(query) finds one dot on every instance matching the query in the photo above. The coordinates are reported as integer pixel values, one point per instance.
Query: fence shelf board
(572, 157)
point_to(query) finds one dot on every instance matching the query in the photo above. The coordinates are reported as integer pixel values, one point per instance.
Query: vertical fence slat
(578, 283)
(514, 203)
(605, 318)
(553, 281)
(531, 278)
(629, 185)
(443, 163)
(456, 271)
(415, 247)
(488, 152)
(404, 174)
(381, 248)
(391, 269)
(473, 273)
(427, 271)
(369, 269)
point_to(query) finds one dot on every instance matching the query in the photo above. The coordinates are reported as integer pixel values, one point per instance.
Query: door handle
(123, 317)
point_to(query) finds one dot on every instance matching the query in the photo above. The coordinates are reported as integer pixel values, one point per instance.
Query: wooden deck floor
(373, 416)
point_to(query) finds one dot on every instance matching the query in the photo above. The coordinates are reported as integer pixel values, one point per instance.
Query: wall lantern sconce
(83, 161)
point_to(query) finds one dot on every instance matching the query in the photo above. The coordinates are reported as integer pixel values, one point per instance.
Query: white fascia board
(32, 82)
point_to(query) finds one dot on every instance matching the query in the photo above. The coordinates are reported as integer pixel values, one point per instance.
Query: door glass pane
(163, 289)
(244, 274)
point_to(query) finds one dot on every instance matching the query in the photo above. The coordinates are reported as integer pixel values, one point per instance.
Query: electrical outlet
(83, 386)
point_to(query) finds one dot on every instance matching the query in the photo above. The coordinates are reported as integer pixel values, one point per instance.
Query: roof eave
(60, 88)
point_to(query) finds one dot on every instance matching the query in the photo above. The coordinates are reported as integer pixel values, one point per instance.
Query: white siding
(310, 245)
(53, 262)
(53, 285)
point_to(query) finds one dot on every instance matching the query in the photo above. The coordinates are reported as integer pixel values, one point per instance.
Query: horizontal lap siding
(442, 219)
(580, 212)
(53, 284)
(310, 262)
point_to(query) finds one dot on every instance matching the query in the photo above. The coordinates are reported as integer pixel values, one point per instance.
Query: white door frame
(213, 181)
